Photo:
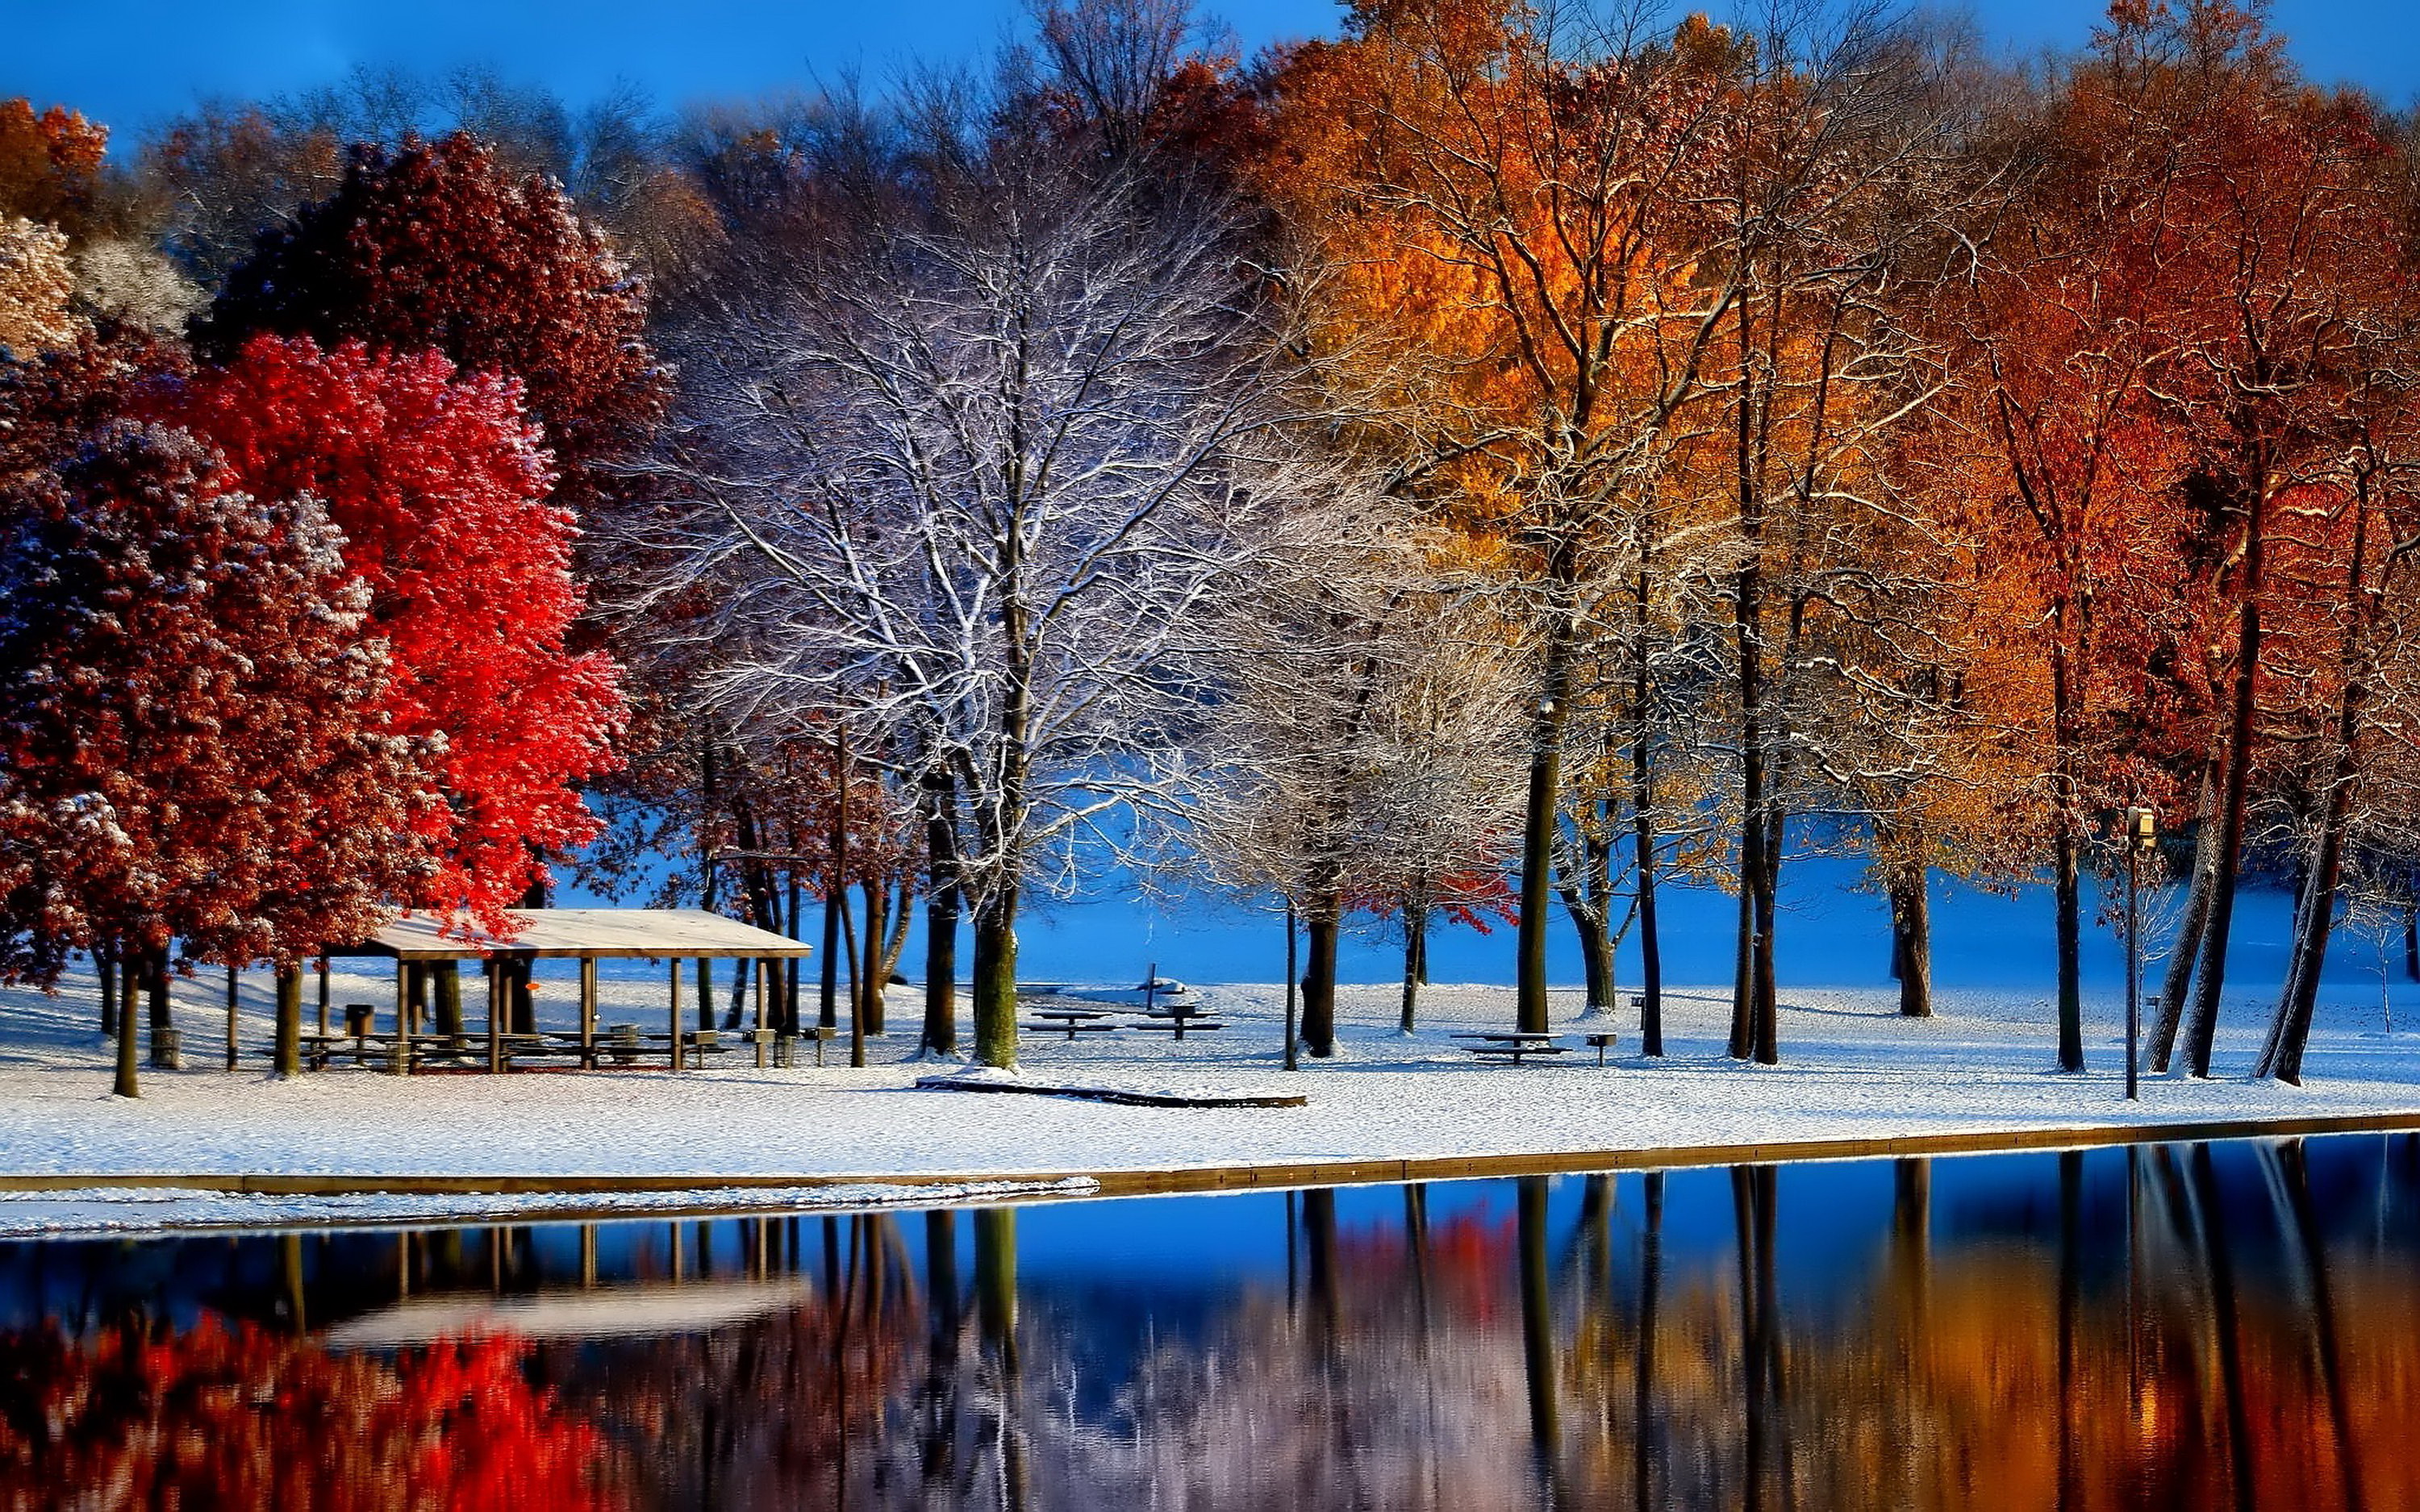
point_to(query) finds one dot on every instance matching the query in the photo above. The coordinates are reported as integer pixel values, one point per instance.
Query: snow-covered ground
(1852, 1068)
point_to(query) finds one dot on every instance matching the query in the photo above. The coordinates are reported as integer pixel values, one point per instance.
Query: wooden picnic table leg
(676, 1014)
(588, 1012)
(496, 1016)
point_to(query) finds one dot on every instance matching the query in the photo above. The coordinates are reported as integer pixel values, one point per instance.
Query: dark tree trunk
(1647, 1457)
(2235, 789)
(2067, 888)
(870, 972)
(1541, 815)
(1912, 940)
(2185, 950)
(1766, 1001)
(1415, 962)
(995, 976)
(941, 908)
(1542, 1368)
(162, 1024)
(448, 998)
(1588, 899)
(1321, 921)
(104, 965)
(2412, 941)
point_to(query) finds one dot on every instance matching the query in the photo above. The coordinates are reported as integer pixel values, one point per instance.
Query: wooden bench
(1515, 1052)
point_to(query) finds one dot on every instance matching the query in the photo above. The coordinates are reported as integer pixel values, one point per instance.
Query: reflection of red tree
(217, 1416)
(1469, 1261)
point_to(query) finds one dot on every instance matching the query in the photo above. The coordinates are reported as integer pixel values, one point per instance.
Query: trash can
(359, 1017)
(166, 1055)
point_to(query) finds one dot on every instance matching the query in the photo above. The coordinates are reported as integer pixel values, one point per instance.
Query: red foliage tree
(217, 1416)
(436, 245)
(439, 487)
(193, 742)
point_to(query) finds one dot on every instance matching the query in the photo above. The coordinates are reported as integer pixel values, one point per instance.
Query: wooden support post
(231, 1031)
(588, 1255)
(323, 995)
(760, 1015)
(495, 1014)
(588, 1012)
(676, 1063)
(400, 1061)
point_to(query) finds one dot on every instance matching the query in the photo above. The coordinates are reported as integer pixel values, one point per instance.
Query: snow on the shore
(1852, 1068)
(87, 1211)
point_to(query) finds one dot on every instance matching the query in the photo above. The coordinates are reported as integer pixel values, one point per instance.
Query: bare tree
(969, 489)
(1362, 746)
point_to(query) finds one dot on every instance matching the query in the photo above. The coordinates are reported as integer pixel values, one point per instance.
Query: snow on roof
(602, 932)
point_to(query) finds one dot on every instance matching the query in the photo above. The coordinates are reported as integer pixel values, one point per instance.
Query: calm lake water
(2231, 1325)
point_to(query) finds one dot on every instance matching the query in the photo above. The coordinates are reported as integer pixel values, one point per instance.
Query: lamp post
(2142, 835)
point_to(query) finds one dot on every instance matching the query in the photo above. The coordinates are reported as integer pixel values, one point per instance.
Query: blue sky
(131, 62)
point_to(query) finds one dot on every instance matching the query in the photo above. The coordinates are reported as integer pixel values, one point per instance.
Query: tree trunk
(1766, 1000)
(1542, 816)
(1912, 940)
(995, 978)
(941, 909)
(2177, 981)
(289, 1021)
(871, 973)
(2066, 730)
(449, 999)
(2412, 941)
(128, 1083)
(104, 965)
(1416, 936)
(1642, 822)
(2067, 889)
(1293, 994)
(2201, 1028)
(162, 1022)
(1321, 921)
(1542, 1368)
(1595, 934)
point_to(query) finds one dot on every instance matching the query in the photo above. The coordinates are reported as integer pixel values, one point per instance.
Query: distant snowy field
(1853, 1068)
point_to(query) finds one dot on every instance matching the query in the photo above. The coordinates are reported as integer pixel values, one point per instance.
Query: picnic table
(1177, 1017)
(1074, 1020)
(1513, 1046)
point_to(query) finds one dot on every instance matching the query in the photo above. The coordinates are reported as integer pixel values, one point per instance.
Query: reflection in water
(2202, 1327)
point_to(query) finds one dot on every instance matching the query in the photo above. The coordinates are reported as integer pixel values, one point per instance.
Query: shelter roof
(604, 933)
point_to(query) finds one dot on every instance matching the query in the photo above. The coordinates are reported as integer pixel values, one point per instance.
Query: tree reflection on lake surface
(2194, 1326)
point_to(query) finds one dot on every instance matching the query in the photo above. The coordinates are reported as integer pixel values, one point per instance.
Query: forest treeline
(1491, 464)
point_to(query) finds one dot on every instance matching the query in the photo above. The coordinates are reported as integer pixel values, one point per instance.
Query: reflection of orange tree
(2016, 1374)
(220, 1416)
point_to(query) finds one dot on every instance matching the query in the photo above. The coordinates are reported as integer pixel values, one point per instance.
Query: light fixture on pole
(2142, 836)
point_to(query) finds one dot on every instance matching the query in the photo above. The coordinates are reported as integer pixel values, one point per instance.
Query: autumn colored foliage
(192, 725)
(234, 1415)
(436, 246)
(48, 163)
(440, 489)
